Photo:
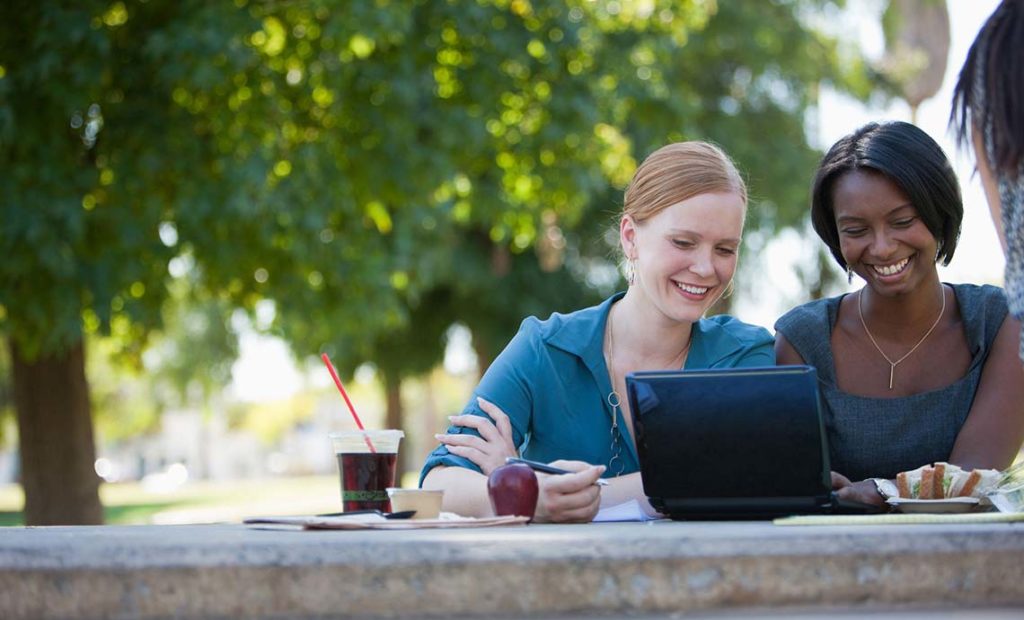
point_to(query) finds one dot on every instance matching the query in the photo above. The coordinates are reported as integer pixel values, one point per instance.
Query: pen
(548, 469)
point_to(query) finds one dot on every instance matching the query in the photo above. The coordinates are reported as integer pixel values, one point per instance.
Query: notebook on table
(744, 443)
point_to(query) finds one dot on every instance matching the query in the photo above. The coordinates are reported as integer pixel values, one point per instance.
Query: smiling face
(881, 235)
(685, 255)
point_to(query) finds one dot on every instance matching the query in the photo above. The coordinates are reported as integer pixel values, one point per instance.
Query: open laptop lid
(730, 440)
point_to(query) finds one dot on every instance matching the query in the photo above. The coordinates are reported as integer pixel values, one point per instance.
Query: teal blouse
(553, 383)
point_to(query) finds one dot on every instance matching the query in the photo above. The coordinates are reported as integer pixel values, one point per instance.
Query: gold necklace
(614, 401)
(892, 364)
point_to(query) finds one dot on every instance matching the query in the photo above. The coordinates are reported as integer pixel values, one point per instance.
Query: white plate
(952, 504)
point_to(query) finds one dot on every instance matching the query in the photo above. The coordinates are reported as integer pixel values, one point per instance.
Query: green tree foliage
(186, 364)
(122, 392)
(194, 351)
(532, 111)
(377, 169)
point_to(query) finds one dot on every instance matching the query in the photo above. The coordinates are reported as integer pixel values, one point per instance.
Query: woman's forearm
(624, 488)
(465, 490)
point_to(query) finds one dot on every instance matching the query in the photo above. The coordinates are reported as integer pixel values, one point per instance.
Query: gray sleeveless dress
(880, 437)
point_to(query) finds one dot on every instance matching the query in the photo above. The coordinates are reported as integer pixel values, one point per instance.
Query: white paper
(626, 511)
(378, 522)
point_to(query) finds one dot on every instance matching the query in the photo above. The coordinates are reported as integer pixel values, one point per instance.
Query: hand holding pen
(549, 469)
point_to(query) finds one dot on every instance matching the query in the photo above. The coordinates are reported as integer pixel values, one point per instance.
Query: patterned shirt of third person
(1011, 198)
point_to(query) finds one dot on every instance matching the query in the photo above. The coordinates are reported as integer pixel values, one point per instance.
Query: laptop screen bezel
(778, 377)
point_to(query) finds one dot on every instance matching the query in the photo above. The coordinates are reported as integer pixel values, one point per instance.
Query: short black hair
(908, 157)
(990, 90)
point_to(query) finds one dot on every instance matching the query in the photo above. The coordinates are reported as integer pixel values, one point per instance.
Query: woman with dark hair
(988, 101)
(911, 370)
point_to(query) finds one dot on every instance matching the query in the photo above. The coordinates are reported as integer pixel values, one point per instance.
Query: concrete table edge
(214, 571)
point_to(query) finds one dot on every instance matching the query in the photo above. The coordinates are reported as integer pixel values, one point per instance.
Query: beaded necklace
(615, 402)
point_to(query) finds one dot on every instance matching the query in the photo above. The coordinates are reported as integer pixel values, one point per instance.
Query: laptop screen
(722, 435)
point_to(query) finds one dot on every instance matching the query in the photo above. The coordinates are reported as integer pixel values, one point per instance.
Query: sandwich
(944, 480)
(974, 483)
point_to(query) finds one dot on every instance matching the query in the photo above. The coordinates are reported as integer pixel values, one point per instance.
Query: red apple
(513, 490)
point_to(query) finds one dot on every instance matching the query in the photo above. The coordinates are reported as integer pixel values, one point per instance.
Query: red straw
(344, 394)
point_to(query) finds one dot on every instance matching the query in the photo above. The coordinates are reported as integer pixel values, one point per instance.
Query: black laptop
(744, 443)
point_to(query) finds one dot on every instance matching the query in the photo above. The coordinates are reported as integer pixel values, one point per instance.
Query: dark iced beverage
(366, 461)
(364, 480)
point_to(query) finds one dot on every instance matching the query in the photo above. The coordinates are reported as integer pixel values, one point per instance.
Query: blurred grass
(200, 501)
(204, 501)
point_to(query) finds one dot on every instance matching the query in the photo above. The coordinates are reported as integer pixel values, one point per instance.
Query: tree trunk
(393, 417)
(205, 447)
(51, 398)
(428, 421)
(484, 357)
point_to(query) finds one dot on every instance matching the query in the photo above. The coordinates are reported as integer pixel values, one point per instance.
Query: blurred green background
(396, 184)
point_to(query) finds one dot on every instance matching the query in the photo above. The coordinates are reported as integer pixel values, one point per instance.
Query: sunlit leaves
(361, 46)
(116, 15)
(617, 162)
(537, 50)
(272, 38)
(378, 213)
(283, 168)
(338, 157)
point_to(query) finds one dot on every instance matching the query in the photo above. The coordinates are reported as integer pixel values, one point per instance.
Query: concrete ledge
(229, 571)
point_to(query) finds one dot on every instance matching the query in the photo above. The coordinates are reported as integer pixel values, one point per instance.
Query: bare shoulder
(1005, 352)
(785, 354)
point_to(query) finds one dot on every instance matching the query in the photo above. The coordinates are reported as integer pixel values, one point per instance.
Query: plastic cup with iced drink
(367, 461)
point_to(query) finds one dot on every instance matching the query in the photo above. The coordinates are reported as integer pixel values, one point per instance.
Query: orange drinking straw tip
(344, 394)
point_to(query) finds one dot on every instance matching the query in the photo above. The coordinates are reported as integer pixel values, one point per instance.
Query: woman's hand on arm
(481, 441)
(992, 434)
(492, 447)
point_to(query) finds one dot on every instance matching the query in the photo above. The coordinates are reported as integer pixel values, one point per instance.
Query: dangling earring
(849, 275)
(631, 271)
